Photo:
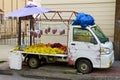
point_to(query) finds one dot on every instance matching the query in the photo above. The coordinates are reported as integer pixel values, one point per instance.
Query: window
(101, 36)
(81, 34)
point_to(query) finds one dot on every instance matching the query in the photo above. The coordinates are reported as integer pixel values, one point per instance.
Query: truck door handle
(72, 43)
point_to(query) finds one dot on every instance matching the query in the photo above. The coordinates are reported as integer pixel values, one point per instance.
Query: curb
(41, 74)
(61, 76)
(6, 72)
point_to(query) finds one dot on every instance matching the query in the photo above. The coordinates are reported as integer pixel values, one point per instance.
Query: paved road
(16, 76)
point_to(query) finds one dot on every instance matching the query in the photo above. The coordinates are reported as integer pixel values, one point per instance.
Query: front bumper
(107, 60)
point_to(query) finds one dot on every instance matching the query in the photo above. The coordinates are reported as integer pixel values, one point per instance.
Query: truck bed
(45, 54)
(57, 57)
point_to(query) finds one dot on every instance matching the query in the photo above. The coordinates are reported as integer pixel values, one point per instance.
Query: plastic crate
(15, 60)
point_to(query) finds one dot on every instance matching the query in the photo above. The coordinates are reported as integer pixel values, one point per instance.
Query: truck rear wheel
(33, 62)
(84, 66)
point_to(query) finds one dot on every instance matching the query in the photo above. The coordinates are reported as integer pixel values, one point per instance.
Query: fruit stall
(84, 54)
(27, 53)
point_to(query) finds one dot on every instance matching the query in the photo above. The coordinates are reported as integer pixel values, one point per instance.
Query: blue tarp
(83, 20)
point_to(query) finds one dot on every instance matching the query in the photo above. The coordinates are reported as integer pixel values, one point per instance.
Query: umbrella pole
(19, 34)
(31, 23)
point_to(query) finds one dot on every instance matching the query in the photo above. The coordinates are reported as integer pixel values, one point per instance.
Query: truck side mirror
(93, 40)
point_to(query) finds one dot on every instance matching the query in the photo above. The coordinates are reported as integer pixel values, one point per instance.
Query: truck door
(84, 45)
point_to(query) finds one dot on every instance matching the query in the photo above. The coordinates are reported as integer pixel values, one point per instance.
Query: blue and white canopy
(30, 9)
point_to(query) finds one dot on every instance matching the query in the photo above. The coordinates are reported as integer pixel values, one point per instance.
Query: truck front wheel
(33, 62)
(84, 66)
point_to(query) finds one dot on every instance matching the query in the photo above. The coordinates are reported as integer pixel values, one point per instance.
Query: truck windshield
(98, 32)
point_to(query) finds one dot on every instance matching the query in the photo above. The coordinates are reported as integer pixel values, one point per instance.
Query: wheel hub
(84, 66)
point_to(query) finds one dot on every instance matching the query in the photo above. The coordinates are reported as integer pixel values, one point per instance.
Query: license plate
(110, 63)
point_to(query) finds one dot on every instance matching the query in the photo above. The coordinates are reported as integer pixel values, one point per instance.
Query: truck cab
(89, 48)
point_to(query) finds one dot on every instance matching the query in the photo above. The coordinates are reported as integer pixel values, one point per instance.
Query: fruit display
(54, 31)
(62, 32)
(16, 48)
(41, 48)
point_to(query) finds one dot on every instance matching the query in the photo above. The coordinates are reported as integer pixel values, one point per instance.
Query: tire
(33, 62)
(84, 66)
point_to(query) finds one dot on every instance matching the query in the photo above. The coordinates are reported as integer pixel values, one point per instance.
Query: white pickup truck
(87, 48)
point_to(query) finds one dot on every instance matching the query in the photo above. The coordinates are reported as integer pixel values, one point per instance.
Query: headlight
(105, 50)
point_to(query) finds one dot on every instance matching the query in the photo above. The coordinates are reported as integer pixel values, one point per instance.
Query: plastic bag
(83, 20)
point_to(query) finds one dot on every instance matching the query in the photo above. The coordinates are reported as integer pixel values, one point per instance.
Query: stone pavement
(4, 52)
(57, 71)
(63, 72)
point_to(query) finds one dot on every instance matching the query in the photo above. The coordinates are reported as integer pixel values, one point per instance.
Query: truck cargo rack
(58, 16)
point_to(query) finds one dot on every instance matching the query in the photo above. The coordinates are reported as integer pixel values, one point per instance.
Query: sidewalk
(58, 71)
(4, 52)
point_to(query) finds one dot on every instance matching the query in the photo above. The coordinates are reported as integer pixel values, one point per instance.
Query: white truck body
(89, 51)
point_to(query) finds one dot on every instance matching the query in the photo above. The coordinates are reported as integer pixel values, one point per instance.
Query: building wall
(9, 6)
(103, 11)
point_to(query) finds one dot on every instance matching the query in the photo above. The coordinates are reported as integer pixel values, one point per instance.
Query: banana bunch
(43, 49)
(16, 48)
